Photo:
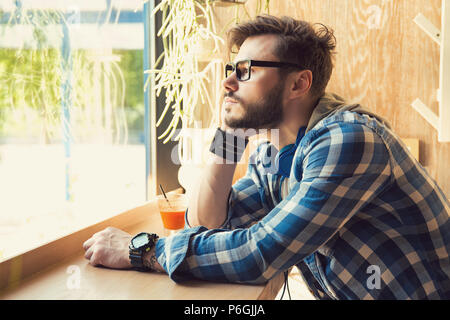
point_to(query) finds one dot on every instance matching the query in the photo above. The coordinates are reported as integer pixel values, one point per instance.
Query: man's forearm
(208, 201)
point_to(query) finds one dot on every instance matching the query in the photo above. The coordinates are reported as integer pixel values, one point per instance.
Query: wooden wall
(384, 61)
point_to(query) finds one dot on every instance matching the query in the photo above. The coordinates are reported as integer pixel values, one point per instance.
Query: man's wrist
(229, 145)
(149, 260)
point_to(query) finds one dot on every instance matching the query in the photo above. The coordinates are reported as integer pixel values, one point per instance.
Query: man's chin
(234, 125)
(244, 126)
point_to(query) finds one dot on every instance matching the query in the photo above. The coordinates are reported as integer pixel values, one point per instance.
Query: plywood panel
(384, 61)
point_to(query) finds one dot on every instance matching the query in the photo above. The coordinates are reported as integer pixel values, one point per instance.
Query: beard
(267, 113)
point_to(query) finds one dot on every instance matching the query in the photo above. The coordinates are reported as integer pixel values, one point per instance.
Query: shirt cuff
(171, 252)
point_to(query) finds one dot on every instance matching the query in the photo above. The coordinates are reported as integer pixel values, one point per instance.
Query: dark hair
(299, 42)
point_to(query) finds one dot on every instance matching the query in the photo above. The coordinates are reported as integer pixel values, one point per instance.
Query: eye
(243, 69)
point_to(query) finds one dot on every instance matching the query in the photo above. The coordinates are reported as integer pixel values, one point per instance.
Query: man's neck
(287, 132)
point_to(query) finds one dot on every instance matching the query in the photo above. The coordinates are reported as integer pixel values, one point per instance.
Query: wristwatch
(140, 244)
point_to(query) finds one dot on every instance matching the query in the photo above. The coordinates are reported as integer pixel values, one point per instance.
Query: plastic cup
(172, 211)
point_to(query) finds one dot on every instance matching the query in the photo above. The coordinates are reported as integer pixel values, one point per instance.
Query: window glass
(71, 117)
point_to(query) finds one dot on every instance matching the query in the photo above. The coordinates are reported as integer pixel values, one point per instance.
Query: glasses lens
(228, 70)
(243, 70)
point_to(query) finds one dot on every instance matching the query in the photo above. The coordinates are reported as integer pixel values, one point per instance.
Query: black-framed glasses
(243, 68)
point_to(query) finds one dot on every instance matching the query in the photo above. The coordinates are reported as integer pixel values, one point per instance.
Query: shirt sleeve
(249, 200)
(344, 166)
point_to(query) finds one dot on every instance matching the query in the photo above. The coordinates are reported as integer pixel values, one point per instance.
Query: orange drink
(172, 220)
(172, 211)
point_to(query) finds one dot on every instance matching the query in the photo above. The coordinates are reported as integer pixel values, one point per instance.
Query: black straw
(162, 190)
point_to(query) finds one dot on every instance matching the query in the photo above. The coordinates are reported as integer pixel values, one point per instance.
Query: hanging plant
(188, 27)
(185, 24)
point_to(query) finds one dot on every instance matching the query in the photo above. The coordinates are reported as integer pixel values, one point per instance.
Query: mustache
(232, 96)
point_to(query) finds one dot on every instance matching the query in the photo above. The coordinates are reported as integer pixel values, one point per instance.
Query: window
(72, 142)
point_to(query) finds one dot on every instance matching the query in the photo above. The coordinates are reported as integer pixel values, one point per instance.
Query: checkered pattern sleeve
(343, 167)
(249, 199)
(247, 202)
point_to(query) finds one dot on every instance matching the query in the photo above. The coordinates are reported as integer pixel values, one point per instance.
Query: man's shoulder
(347, 132)
(349, 118)
(348, 125)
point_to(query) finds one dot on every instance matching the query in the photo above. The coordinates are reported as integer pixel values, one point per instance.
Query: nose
(231, 83)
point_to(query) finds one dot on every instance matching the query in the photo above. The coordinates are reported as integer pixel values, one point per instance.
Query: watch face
(140, 241)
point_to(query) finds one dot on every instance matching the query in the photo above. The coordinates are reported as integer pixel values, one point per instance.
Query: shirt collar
(285, 157)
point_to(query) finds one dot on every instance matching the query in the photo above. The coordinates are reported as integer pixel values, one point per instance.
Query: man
(343, 199)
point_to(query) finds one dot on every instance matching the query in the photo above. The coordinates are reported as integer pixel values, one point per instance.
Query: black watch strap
(136, 260)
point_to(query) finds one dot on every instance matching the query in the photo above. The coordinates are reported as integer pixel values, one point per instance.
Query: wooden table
(58, 270)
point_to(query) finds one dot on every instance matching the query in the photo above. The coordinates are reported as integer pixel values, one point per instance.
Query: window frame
(14, 269)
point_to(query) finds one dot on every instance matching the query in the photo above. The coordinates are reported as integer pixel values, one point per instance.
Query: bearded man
(342, 199)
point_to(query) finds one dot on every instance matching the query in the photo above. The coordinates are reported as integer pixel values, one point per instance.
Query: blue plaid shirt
(358, 215)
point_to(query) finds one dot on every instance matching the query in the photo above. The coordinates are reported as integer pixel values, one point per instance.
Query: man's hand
(109, 248)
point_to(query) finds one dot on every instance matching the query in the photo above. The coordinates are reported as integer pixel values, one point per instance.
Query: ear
(300, 85)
